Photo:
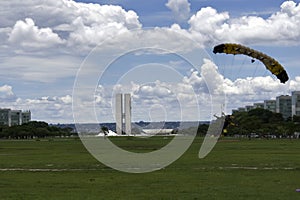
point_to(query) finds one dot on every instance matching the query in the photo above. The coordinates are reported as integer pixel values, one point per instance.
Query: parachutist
(227, 121)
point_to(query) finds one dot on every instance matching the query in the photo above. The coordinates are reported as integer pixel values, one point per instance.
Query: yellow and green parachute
(271, 64)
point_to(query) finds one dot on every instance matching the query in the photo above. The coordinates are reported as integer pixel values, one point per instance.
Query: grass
(244, 169)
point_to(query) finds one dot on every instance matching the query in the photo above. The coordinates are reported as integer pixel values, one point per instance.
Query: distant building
(284, 106)
(296, 103)
(158, 131)
(5, 117)
(15, 117)
(123, 114)
(10, 117)
(270, 105)
(119, 113)
(241, 109)
(234, 111)
(258, 105)
(127, 113)
(26, 116)
(248, 108)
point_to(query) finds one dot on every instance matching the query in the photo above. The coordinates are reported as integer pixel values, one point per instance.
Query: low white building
(158, 131)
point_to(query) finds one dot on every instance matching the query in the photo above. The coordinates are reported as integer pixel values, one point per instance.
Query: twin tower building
(123, 114)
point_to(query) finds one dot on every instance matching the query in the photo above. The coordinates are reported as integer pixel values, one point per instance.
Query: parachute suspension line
(230, 75)
(221, 65)
(222, 109)
(265, 74)
(254, 73)
(241, 66)
(229, 72)
(217, 62)
(272, 75)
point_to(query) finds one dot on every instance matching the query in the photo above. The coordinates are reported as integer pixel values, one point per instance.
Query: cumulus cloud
(282, 27)
(6, 93)
(67, 22)
(27, 34)
(180, 8)
(50, 109)
(79, 26)
(55, 109)
(66, 99)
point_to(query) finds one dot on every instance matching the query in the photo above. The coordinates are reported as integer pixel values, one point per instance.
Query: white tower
(127, 113)
(123, 114)
(119, 114)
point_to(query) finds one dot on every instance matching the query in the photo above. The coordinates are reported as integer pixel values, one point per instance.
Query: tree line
(34, 129)
(257, 122)
(262, 123)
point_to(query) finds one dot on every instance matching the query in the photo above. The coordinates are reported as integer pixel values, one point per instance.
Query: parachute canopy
(271, 64)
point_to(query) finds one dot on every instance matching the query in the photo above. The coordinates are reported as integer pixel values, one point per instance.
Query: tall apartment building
(296, 103)
(26, 116)
(10, 117)
(5, 117)
(248, 108)
(270, 105)
(284, 106)
(258, 105)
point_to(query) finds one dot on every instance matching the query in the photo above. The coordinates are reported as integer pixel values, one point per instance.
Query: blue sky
(45, 45)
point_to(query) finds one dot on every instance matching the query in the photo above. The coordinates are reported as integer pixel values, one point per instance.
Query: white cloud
(27, 34)
(55, 109)
(74, 24)
(66, 99)
(79, 26)
(6, 93)
(282, 27)
(295, 84)
(180, 8)
(6, 90)
(206, 23)
(50, 109)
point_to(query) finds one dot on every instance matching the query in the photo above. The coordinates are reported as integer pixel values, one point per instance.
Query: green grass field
(63, 169)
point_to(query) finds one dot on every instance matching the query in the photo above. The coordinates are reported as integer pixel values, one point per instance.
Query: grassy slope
(219, 176)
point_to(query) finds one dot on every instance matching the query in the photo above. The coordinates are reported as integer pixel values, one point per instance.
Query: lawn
(235, 169)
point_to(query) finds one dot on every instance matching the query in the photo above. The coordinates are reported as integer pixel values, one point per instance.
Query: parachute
(271, 64)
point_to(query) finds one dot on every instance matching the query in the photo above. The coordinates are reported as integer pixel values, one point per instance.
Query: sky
(65, 60)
